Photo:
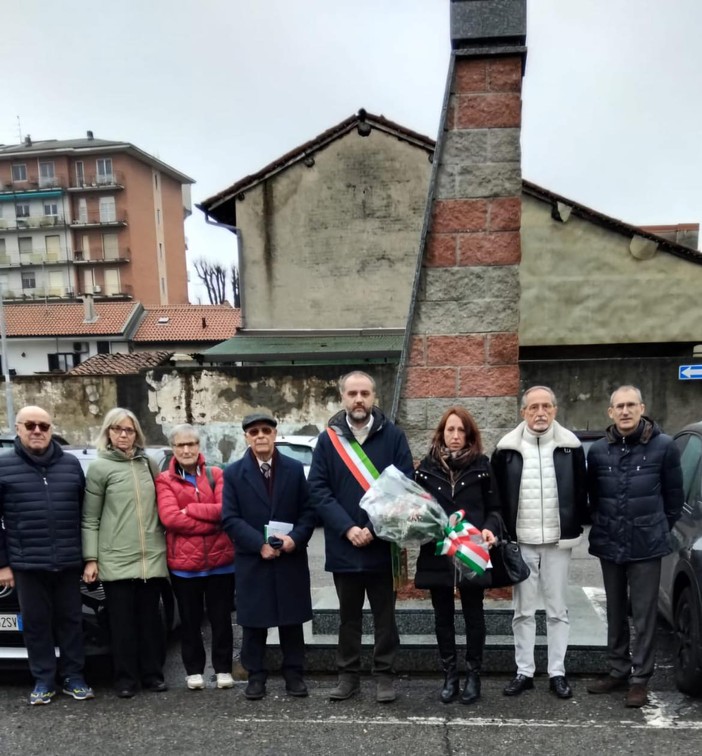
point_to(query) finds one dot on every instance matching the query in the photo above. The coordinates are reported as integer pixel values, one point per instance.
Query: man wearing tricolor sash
(359, 443)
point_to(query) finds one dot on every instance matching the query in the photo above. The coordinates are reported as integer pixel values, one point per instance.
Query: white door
(83, 210)
(111, 281)
(57, 284)
(108, 213)
(110, 248)
(53, 248)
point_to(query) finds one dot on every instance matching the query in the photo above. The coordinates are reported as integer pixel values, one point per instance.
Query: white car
(297, 447)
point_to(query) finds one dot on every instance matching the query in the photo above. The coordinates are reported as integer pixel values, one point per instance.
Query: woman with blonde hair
(124, 546)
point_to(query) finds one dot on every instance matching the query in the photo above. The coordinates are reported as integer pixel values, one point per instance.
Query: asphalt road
(217, 722)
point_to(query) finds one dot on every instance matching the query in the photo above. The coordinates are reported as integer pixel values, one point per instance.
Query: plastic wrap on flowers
(464, 543)
(401, 511)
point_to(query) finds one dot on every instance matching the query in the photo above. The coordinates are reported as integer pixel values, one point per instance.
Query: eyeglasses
(119, 430)
(265, 429)
(186, 444)
(628, 406)
(546, 407)
(31, 426)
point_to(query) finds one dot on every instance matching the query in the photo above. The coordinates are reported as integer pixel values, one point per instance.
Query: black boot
(446, 641)
(471, 692)
(451, 683)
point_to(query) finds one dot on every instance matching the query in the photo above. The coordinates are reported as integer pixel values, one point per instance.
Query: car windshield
(297, 451)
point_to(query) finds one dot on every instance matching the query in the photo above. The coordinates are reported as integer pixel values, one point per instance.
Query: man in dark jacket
(266, 512)
(358, 445)
(540, 473)
(635, 487)
(41, 495)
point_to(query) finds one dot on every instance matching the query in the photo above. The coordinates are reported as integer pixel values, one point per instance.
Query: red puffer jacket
(192, 516)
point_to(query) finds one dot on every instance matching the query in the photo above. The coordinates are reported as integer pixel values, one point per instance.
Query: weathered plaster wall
(334, 245)
(581, 285)
(301, 398)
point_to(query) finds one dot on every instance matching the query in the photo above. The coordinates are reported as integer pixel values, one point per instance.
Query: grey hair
(185, 428)
(361, 374)
(538, 388)
(113, 417)
(625, 387)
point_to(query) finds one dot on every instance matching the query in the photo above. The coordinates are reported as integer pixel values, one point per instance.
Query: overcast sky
(612, 111)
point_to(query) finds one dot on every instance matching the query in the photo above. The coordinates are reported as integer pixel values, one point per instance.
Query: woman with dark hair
(458, 475)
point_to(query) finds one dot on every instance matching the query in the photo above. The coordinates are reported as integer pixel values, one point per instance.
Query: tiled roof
(356, 121)
(185, 323)
(67, 319)
(120, 364)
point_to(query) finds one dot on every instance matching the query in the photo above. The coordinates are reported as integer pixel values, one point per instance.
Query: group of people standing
(134, 529)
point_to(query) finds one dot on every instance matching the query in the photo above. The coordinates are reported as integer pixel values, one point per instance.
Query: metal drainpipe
(240, 261)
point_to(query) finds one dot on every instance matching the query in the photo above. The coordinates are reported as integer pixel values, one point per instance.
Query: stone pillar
(462, 340)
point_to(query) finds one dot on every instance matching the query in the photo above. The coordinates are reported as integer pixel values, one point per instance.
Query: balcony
(34, 184)
(93, 220)
(39, 257)
(83, 257)
(122, 291)
(97, 182)
(41, 292)
(32, 223)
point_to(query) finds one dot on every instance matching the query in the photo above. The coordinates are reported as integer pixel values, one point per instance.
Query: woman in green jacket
(124, 546)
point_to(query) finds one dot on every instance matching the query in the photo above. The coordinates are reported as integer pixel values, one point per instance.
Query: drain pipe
(240, 261)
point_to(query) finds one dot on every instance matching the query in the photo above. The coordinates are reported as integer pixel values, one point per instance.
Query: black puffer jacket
(41, 507)
(635, 487)
(474, 492)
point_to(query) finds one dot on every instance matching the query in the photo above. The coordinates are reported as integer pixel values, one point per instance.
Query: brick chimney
(461, 344)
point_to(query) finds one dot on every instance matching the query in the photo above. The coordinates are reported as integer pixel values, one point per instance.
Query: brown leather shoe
(637, 696)
(607, 684)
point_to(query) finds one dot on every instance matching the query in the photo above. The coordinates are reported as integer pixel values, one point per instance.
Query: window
(80, 173)
(3, 249)
(163, 285)
(110, 249)
(25, 244)
(47, 177)
(29, 280)
(111, 280)
(19, 172)
(22, 210)
(53, 247)
(160, 251)
(83, 210)
(103, 347)
(108, 213)
(63, 361)
(104, 170)
(158, 216)
(156, 180)
(51, 208)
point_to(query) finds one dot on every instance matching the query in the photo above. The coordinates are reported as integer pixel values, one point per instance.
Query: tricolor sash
(459, 543)
(365, 472)
(355, 459)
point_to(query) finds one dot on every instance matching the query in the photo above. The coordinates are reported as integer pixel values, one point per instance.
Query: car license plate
(11, 622)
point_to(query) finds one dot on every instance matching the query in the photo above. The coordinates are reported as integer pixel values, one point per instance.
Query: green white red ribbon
(459, 543)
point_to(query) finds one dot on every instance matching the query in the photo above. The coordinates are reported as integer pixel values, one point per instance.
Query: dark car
(588, 437)
(95, 624)
(679, 598)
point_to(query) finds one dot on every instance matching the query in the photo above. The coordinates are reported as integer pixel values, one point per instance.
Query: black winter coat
(41, 509)
(335, 493)
(475, 493)
(269, 592)
(635, 487)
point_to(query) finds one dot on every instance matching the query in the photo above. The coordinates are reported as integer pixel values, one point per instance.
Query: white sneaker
(195, 682)
(225, 680)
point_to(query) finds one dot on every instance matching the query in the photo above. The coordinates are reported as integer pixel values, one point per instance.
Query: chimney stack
(461, 344)
(89, 134)
(28, 141)
(89, 312)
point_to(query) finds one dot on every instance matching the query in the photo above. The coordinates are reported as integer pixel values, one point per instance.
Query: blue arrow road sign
(690, 372)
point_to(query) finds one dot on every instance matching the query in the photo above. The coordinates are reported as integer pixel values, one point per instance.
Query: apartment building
(91, 216)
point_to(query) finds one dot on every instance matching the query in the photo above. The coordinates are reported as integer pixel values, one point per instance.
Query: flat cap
(258, 417)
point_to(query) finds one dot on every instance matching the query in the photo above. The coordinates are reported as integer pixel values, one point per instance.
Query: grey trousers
(642, 579)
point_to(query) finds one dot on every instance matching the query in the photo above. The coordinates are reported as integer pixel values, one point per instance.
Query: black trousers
(136, 632)
(442, 600)
(52, 615)
(352, 588)
(253, 651)
(642, 579)
(215, 594)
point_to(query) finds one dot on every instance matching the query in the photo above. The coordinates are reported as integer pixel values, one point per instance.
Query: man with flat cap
(267, 514)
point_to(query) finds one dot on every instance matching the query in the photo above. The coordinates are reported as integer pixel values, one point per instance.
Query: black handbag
(508, 565)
